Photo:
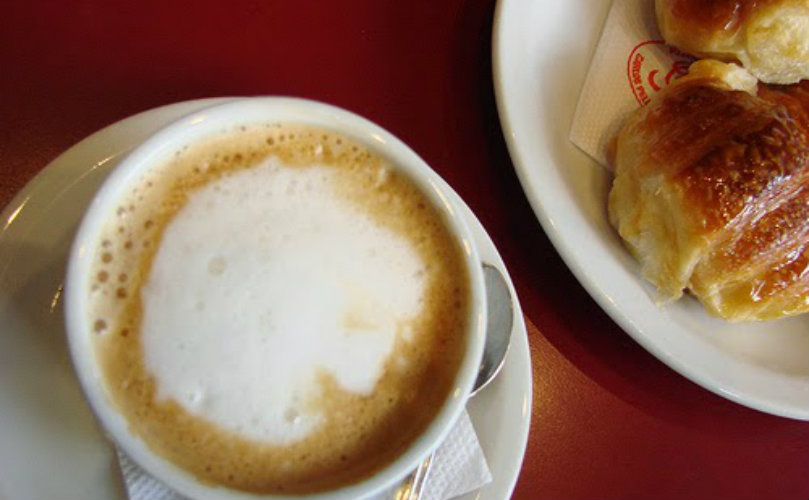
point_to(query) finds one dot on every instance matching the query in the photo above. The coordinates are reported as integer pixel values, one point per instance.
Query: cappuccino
(278, 309)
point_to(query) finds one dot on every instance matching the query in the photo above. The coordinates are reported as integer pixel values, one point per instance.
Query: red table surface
(608, 420)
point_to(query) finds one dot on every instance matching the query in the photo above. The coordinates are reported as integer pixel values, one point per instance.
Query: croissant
(769, 37)
(711, 192)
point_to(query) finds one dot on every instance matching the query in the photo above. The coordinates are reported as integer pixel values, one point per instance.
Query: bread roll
(770, 38)
(711, 193)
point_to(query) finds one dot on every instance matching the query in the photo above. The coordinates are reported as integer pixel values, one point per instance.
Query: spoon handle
(413, 487)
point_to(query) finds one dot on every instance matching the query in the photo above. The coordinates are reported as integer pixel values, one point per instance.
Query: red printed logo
(652, 65)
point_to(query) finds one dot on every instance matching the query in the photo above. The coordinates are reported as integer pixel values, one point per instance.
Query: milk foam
(265, 281)
(244, 387)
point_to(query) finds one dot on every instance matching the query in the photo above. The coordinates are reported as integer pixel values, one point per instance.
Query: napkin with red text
(459, 467)
(630, 65)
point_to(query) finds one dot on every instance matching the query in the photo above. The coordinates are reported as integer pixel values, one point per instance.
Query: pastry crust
(711, 193)
(770, 38)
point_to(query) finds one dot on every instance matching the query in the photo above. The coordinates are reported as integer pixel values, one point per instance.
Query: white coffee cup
(194, 128)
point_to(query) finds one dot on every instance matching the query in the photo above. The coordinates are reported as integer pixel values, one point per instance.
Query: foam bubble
(100, 326)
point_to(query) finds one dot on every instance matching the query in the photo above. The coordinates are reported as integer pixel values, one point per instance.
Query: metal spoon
(500, 319)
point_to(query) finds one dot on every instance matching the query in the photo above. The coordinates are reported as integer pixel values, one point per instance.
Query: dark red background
(609, 420)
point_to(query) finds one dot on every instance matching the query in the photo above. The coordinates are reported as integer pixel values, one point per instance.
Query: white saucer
(50, 445)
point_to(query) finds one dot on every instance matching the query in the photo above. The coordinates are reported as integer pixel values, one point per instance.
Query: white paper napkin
(459, 467)
(631, 64)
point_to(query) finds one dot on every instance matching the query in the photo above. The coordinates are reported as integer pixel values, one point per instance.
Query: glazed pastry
(770, 38)
(711, 192)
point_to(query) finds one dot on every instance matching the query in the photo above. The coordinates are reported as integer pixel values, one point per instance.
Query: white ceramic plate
(50, 446)
(541, 53)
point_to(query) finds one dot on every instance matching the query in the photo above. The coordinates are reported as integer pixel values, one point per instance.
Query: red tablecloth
(608, 420)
